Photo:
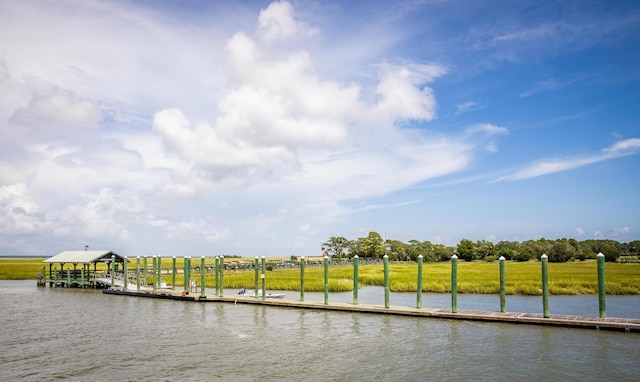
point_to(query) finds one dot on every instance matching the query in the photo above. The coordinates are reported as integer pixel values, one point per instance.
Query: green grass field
(476, 277)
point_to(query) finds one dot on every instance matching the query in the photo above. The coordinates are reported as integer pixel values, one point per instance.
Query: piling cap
(454, 256)
(544, 256)
(600, 254)
(501, 258)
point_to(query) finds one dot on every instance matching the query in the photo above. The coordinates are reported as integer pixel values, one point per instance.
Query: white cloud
(277, 22)
(621, 148)
(196, 229)
(580, 231)
(60, 109)
(467, 107)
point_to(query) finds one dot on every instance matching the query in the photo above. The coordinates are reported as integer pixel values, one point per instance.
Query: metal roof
(82, 257)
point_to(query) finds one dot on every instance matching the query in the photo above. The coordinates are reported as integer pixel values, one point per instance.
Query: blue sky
(264, 128)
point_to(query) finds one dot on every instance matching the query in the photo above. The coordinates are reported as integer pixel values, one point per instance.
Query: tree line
(559, 250)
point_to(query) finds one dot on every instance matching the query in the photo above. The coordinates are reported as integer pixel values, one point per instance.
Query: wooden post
(217, 272)
(545, 285)
(113, 270)
(138, 274)
(125, 277)
(264, 278)
(419, 288)
(256, 277)
(503, 300)
(385, 261)
(185, 274)
(454, 284)
(601, 286)
(202, 294)
(154, 272)
(326, 279)
(356, 261)
(173, 274)
(221, 275)
(301, 278)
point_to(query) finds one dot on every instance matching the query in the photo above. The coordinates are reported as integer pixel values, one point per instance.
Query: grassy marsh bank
(569, 278)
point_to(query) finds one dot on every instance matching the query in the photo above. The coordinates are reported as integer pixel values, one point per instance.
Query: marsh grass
(473, 277)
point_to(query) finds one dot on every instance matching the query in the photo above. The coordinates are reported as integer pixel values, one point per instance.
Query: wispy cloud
(467, 107)
(619, 149)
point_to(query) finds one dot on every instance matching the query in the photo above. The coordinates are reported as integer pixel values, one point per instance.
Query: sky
(257, 128)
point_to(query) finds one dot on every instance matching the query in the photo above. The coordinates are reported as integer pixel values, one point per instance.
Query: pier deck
(609, 323)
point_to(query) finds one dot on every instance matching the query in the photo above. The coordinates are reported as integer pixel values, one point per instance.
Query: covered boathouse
(85, 272)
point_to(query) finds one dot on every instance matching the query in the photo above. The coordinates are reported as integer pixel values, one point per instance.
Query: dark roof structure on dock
(83, 257)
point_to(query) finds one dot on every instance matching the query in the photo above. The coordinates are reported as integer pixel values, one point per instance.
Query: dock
(571, 321)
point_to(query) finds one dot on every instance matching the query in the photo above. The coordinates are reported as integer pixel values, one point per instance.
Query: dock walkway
(609, 323)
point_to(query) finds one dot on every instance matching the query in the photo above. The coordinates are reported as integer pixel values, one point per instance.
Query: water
(84, 335)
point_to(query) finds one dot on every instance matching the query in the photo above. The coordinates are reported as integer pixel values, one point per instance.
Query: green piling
(69, 278)
(356, 261)
(173, 273)
(217, 272)
(385, 261)
(601, 286)
(154, 272)
(221, 275)
(113, 270)
(138, 274)
(326, 280)
(82, 277)
(185, 274)
(202, 294)
(144, 271)
(125, 278)
(159, 260)
(503, 299)
(454, 284)
(301, 278)
(545, 285)
(264, 278)
(419, 289)
(256, 277)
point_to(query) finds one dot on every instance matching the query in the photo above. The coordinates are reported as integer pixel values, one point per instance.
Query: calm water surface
(83, 335)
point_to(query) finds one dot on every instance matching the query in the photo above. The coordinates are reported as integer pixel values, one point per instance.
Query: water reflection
(106, 337)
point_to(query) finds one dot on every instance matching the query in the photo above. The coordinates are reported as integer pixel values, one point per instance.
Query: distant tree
(466, 250)
(484, 249)
(560, 251)
(335, 246)
(396, 250)
(374, 245)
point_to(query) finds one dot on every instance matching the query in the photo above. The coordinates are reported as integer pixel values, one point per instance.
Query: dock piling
(454, 284)
(503, 304)
(601, 286)
(385, 261)
(419, 287)
(264, 278)
(356, 261)
(326, 279)
(545, 285)
(301, 278)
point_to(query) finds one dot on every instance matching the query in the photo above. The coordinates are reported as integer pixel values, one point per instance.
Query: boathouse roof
(83, 257)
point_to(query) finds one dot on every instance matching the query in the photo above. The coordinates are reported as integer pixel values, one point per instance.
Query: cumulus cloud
(277, 22)
(119, 132)
(60, 109)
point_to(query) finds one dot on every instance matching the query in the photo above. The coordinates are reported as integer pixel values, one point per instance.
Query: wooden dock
(609, 323)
